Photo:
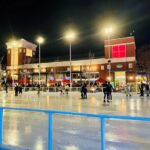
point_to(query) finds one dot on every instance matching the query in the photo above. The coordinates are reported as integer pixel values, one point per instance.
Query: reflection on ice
(39, 144)
(71, 147)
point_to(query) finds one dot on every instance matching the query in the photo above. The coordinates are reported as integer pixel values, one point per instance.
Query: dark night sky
(29, 18)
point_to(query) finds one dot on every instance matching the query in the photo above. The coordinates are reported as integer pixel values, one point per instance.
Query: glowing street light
(108, 32)
(40, 41)
(70, 36)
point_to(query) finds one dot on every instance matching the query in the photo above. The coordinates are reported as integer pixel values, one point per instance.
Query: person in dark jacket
(38, 89)
(109, 90)
(82, 93)
(147, 89)
(20, 89)
(141, 89)
(85, 91)
(16, 90)
(105, 90)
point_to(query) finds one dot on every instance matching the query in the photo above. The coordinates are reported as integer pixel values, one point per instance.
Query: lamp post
(14, 45)
(40, 41)
(108, 32)
(70, 36)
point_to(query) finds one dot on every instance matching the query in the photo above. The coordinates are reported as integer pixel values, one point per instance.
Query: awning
(101, 80)
(52, 81)
(66, 81)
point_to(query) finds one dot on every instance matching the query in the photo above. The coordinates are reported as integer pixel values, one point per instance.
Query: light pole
(108, 31)
(14, 45)
(40, 41)
(70, 36)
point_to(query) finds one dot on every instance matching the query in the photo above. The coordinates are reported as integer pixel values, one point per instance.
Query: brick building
(122, 53)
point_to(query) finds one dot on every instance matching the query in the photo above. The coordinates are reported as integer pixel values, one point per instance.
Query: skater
(109, 90)
(128, 90)
(141, 89)
(82, 93)
(16, 90)
(66, 88)
(85, 92)
(38, 89)
(20, 89)
(105, 90)
(147, 89)
(61, 89)
(6, 88)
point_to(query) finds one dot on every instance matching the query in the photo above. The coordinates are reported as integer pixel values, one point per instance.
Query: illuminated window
(102, 67)
(119, 51)
(130, 65)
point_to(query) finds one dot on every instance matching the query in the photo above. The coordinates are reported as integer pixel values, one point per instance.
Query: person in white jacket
(128, 90)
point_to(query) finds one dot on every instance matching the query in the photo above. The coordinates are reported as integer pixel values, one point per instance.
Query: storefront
(120, 80)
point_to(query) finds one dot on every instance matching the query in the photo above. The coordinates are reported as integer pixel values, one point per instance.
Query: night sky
(50, 18)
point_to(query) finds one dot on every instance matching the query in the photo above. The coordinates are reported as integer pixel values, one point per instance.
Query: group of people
(144, 88)
(18, 89)
(107, 90)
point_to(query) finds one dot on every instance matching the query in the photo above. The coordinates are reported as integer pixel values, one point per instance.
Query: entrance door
(120, 80)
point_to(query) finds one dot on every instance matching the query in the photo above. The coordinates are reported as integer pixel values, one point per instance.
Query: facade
(121, 53)
(19, 53)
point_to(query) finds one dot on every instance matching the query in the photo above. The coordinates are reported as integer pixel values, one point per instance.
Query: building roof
(21, 43)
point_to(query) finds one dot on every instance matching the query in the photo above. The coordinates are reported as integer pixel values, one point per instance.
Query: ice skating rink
(29, 130)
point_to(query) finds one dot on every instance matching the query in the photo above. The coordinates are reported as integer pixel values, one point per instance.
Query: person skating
(109, 90)
(82, 93)
(66, 88)
(147, 89)
(128, 90)
(38, 89)
(20, 89)
(85, 91)
(105, 90)
(6, 88)
(16, 90)
(141, 89)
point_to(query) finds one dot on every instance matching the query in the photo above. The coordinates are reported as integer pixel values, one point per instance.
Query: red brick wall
(130, 46)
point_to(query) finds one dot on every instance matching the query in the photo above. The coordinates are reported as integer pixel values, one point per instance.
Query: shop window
(102, 67)
(130, 65)
(119, 51)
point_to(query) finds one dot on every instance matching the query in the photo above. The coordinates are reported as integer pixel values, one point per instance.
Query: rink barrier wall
(50, 113)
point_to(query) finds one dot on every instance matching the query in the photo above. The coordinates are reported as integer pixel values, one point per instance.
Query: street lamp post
(108, 31)
(70, 36)
(40, 40)
(14, 45)
(70, 64)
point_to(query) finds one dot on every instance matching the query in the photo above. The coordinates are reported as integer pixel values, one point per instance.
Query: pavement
(29, 130)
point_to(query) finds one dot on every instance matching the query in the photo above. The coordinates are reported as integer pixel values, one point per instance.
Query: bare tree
(143, 60)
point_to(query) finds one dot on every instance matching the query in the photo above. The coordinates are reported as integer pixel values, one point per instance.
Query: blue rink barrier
(50, 113)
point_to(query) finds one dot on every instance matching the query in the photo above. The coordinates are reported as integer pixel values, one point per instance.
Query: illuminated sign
(119, 51)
